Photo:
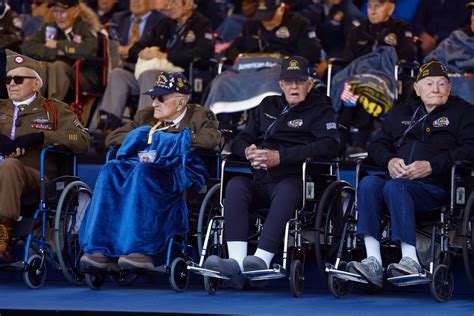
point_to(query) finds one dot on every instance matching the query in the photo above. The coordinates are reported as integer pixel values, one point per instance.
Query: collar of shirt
(178, 120)
(68, 31)
(141, 25)
(25, 102)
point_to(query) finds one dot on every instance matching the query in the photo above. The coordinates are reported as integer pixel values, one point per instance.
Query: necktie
(135, 33)
(68, 36)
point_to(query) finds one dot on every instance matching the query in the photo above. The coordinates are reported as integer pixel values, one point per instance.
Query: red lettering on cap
(19, 60)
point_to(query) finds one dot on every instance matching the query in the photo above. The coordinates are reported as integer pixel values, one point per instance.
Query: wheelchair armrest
(465, 164)
(57, 149)
(338, 61)
(409, 64)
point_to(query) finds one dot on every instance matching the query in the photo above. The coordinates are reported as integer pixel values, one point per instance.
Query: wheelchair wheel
(296, 278)
(442, 285)
(468, 239)
(336, 201)
(95, 280)
(179, 275)
(340, 288)
(35, 272)
(211, 285)
(71, 208)
(210, 207)
(123, 278)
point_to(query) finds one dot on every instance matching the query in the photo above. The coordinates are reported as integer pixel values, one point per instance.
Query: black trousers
(243, 194)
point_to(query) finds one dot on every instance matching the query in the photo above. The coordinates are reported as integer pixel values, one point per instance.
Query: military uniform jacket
(58, 124)
(191, 42)
(307, 130)
(201, 122)
(366, 37)
(82, 43)
(10, 30)
(443, 136)
(294, 36)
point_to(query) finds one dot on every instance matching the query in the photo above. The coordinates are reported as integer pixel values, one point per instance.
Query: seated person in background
(61, 43)
(281, 133)
(417, 145)
(137, 202)
(27, 122)
(380, 30)
(10, 24)
(105, 9)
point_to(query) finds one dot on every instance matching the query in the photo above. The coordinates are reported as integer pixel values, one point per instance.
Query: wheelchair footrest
(411, 279)
(268, 274)
(347, 276)
(156, 270)
(195, 268)
(12, 266)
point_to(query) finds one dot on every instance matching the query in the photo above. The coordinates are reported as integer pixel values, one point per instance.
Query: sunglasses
(159, 98)
(17, 79)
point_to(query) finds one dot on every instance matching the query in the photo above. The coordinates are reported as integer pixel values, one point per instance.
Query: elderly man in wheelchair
(137, 203)
(282, 132)
(418, 144)
(27, 123)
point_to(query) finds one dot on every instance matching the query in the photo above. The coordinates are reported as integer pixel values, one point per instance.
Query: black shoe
(228, 267)
(254, 263)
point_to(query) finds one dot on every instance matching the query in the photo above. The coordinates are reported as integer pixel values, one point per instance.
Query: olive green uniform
(59, 126)
(81, 43)
(201, 122)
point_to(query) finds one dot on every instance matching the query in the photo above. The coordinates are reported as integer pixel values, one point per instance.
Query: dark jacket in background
(307, 130)
(10, 30)
(444, 136)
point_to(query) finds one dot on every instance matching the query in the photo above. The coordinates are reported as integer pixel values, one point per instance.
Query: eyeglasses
(16, 79)
(289, 82)
(159, 98)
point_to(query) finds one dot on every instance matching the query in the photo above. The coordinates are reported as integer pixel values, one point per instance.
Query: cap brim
(264, 15)
(157, 91)
(470, 5)
(297, 76)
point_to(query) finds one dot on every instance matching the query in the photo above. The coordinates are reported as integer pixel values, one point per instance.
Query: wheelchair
(179, 248)
(440, 228)
(299, 231)
(58, 209)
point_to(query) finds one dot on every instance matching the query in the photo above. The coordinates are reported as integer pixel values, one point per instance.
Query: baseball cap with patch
(266, 9)
(470, 5)
(15, 60)
(295, 67)
(63, 4)
(432, 68)
(167, 83)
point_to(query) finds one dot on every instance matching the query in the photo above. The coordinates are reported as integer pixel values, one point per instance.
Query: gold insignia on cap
(262, 5)
(293, 65)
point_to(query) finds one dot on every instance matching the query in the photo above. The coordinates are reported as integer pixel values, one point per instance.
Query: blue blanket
(137, 207)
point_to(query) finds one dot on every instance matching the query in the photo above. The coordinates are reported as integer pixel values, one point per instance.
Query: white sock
(237, 251)
(409, 251)
(265, 255)
(372, 247)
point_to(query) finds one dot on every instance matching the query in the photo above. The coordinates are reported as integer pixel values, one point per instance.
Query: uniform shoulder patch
(211, 116)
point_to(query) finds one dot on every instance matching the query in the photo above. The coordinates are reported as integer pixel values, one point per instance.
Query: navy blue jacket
(444, 136)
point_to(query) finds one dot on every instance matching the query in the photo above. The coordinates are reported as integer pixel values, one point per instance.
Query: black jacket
(444, 136)
(307, 130)
(367, 36)
(294, 36)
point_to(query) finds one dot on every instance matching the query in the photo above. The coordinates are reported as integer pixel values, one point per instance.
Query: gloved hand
(6, 145)
(24, 141)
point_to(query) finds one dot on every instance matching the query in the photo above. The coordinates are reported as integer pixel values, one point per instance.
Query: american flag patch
(331, 125)
(349, 98)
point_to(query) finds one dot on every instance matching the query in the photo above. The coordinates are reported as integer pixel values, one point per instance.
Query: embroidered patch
(72, 137)
(77, 39)
(70, 50)
(295, 123)
(408, 34)
(312, 34)
(190, 37)
(282, 32)
(391, 39)
(331, 125)
(441, 122)
(208, 36)
(270, 116)
(406, 122)
(362, 43)
(19, 60)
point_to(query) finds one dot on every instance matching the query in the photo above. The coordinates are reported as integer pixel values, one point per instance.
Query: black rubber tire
(35, 272)
(335, 202)
(442, 285)
(95, 280)
(179, 274)
(338, 287)
(210, 207)
(123, 278)
(211, 285)
(296, 278)
(468, 239)
(68, 217)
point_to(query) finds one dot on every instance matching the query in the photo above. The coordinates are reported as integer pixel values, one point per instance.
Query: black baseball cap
(470, 4)
(266, 9)
(432, 68)
(295, 67)
(167, 83)
(63, 4)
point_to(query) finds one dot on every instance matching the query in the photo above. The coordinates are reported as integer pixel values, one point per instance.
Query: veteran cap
(167, 83)
(470, 4)
(266, 9)
(15, 60)
(432, 68)
(63, 4)
(295, 67)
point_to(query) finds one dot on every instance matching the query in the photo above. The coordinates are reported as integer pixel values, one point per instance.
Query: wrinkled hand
(51, 44)
(6, 145)
(397, 168)
(262, 158)
(418, 169)
(123, 50)
(157, 53)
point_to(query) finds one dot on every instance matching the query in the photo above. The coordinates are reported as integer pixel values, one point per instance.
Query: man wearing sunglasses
(282, 132)
(134, 246)
(27, 122)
